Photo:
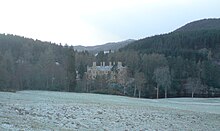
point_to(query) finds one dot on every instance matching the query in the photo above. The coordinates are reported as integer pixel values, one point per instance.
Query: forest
(27, 64)
(192, 59)
(183, 63)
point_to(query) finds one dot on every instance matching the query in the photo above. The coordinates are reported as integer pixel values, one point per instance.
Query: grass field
(45, 110)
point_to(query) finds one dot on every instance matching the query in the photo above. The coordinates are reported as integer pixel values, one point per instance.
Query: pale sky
(95, 22)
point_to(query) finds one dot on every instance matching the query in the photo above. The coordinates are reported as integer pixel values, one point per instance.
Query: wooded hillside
(32, 64)
(182, 63)
(192, 54)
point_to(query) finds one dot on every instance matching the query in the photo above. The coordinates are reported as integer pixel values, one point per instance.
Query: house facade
(113, 71)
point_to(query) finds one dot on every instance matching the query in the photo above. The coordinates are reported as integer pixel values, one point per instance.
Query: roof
(104, 68)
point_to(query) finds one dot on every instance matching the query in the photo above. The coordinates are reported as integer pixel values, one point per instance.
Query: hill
(114, 46)
(189, 39)
(186, 57)
(204, 24)
(192, 51)
(33, 64)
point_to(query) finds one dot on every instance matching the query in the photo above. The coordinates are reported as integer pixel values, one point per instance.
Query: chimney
(94, 64)
(103, 63)
(110, 63)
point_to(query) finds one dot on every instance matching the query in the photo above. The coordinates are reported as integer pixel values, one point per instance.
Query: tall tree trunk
(157, 92)
(52, 82)
(87, 88)
(135, 89)
(165, 92)
(68, 86)
(47, 85)
(20, 84)
(192, 94)
(139, 93)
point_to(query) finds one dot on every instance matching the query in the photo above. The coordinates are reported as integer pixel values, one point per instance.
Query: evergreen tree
(71, 73)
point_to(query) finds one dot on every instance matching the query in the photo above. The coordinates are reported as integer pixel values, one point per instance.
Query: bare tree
(193, 84)
(162, 78)
(139, 82)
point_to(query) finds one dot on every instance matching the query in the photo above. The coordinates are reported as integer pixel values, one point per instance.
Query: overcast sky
(94, 22)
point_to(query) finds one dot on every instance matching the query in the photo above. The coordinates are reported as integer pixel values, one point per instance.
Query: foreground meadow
(45, 110)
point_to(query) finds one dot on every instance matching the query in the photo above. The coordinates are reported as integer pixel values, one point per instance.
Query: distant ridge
(114, 46)
(204, 24)
(191, 38)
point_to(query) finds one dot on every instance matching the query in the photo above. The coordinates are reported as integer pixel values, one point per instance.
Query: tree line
(27, 64)
(183, 63)
(177, 64)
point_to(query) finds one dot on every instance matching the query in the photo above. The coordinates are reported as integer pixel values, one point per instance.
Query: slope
(204, 24)
(186, 41)
(114, 46)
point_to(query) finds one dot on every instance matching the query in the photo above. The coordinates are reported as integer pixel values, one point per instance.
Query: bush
(107, 91)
